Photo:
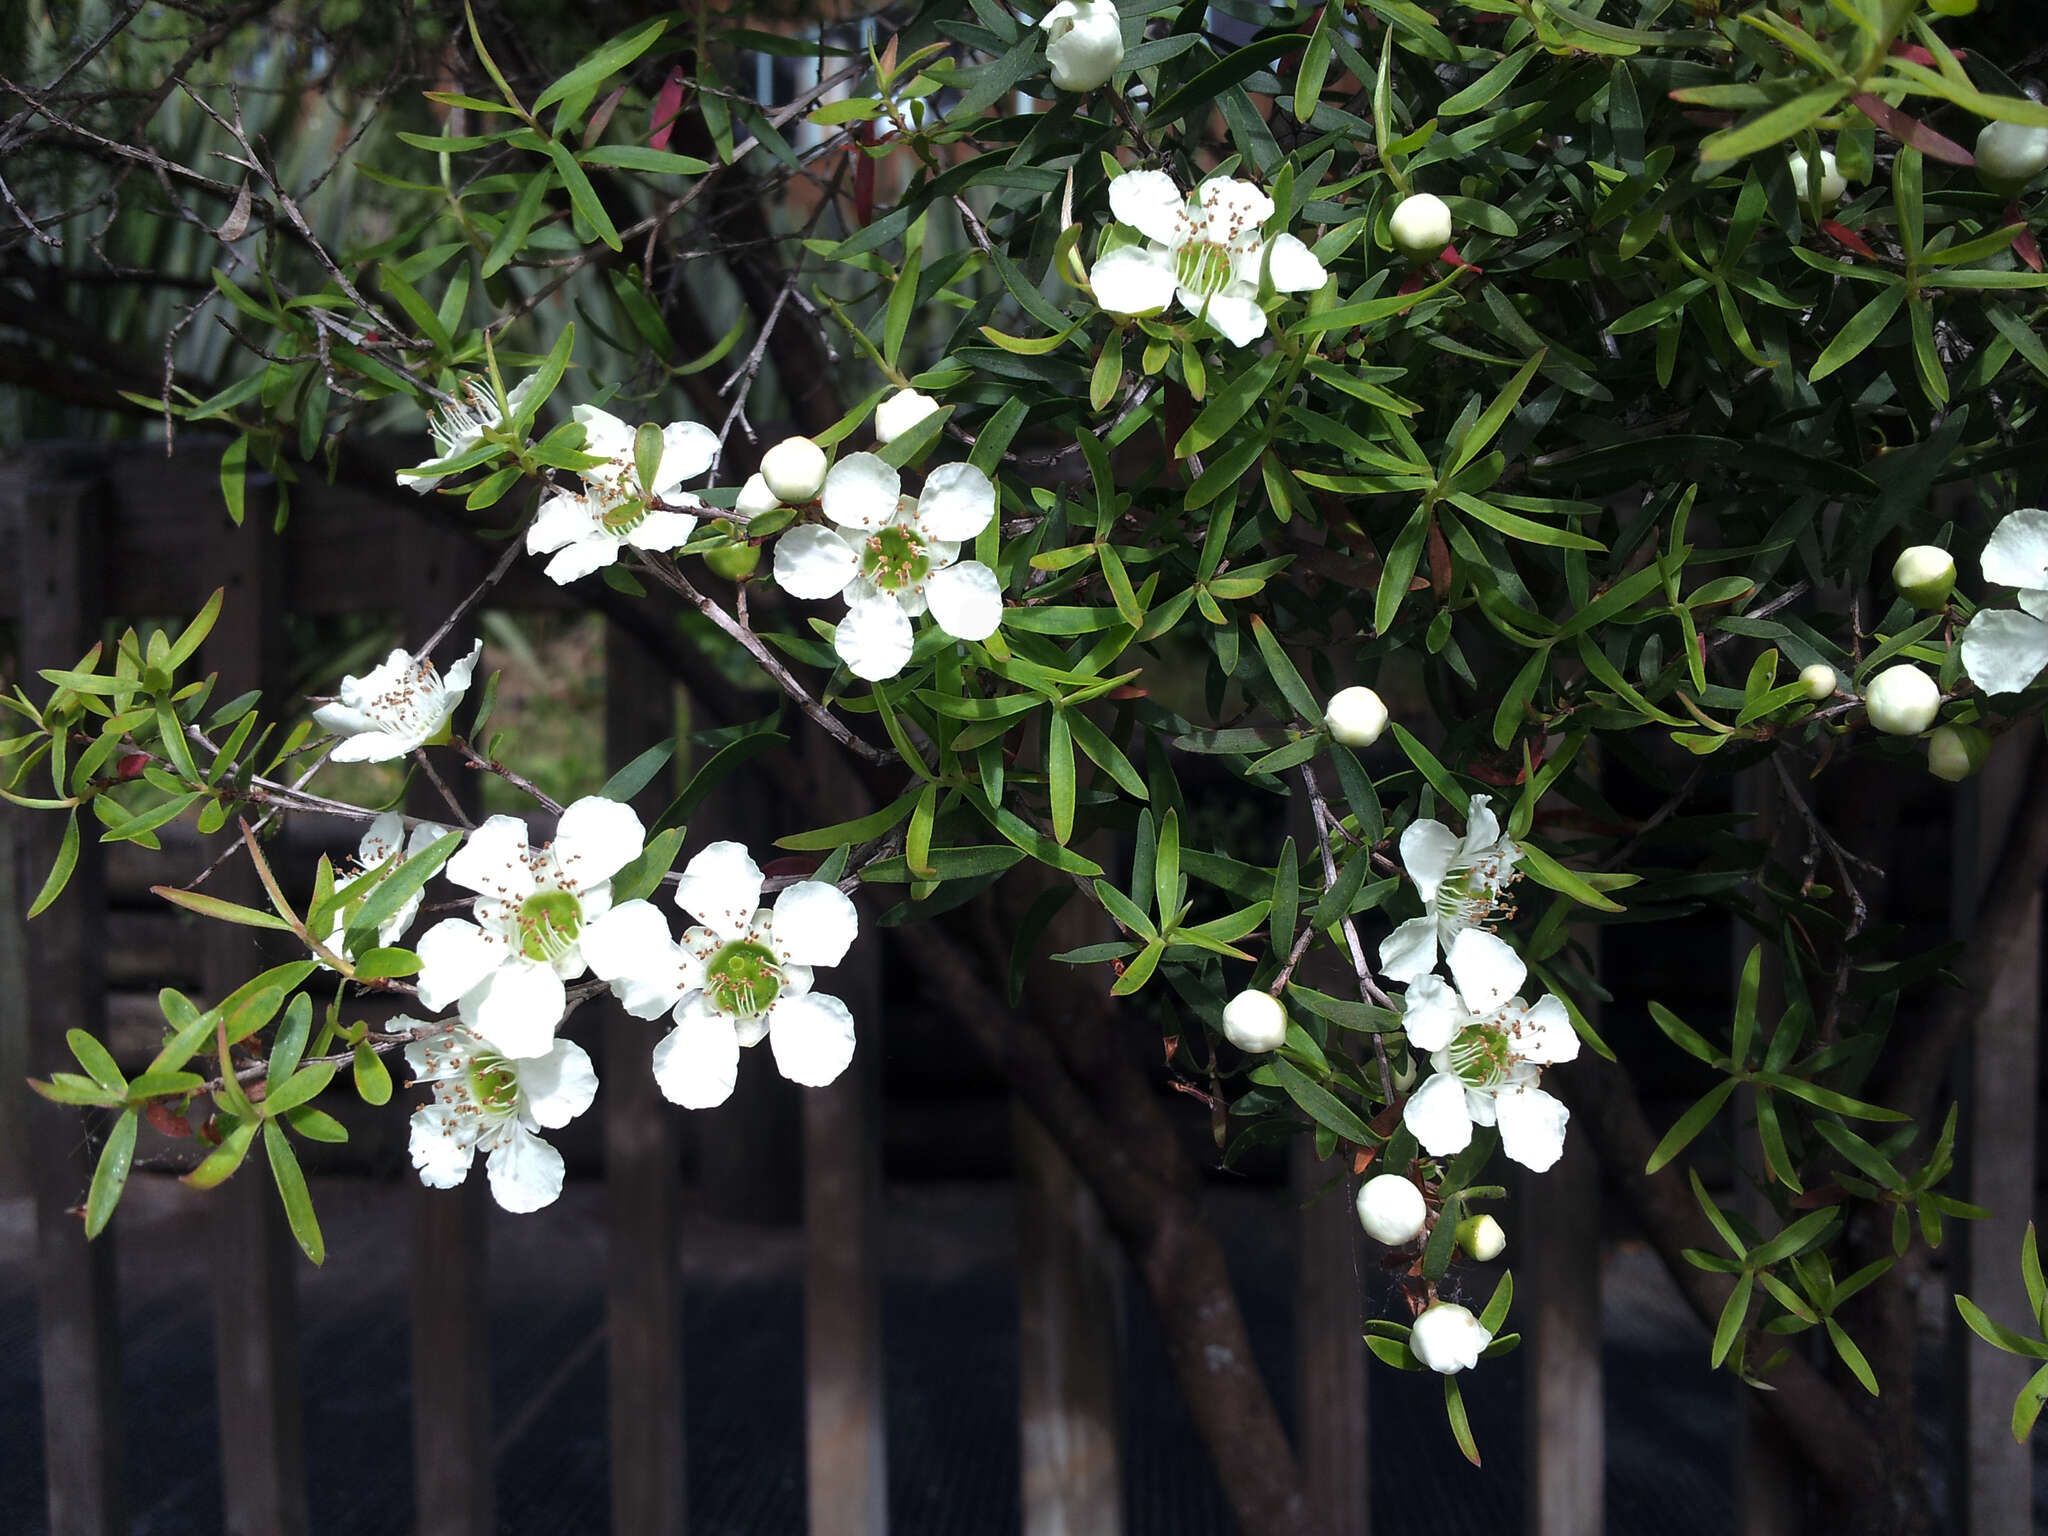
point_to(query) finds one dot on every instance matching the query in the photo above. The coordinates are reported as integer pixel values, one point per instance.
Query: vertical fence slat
(844, 1437)
(15, 1178)
(1329, 1352)
(1559, 1275)
(263, 1469)
(451, 1378)
(2003, 1064)
(59, 575)
(643, 1184)
(1072, 1463)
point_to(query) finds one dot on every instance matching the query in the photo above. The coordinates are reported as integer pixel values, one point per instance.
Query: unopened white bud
(1391, 1209)
(1482, 1238)
(755, 497)
(1084, 43)
(1448, 1338)
(900, 412)
(1954, 752)
(1255, 1022)
(1819, 680)
(1925, 575)
(1832, 182)
(1902, 700)
(2009, 155)
(1421, 225)
(1355, 716)
(794, 469)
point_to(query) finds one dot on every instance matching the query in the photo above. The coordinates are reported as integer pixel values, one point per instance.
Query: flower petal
(721, 888)
(526, 1173)
(605, 436)
(874, 639)
(1133, 279)
(1531, 1127)
(1544, 1033)
(595, 839)
(1430, 1016)
(1482, 827)
(592, 552)
(492, 861)
(628, 941)
(558, 1086)
(342, 720)
(861, 491)
(454, 956)
(1486, 968)
(1238, 321)
(440, 1145)
(372, 746)
(966, 600)
(662, 530)
(2003, 651)
(1427, 848)
(815, 923)
(814, 563)
(812, 1038)
(516, 1008)
(1150, 203)
(1409, 952)
(957, 503)
(455, 683)
(1293, 267)
(563, 519)
(687, 449)
(2016, 554)
(1435, 1114)
(697, 1062)
(1232, 210)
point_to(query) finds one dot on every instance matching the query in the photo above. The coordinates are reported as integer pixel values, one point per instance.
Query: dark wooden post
(1067, 1295)
(1329, 1345)
(643, 1183)
(256, 1356)
(1558, 1272)
(59, 574)
(2000, 1079)
(451, 1376)
(15, 1178)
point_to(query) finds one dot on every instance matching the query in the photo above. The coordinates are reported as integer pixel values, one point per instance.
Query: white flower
(1903, 700)
(1486, 1045)
(793, 469)
(743, 973)
(1819, 681)
(1255, 1022)
(1391, 1209)
(900, 412)
(1355, 716)
(1420, 225)
(1925, 574)
(382, 844)
(460, 425)
(504, 970)
(1448, 1338)
(1460, 882)
(1209, 252)
(400, 706)
(892, 559)
(484, 1102)
(2004, 650)
(585, 530)
(1832, 182)
(1084, 43)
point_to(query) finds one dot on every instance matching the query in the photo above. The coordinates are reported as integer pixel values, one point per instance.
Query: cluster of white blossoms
(397, 708)
(1209, 251)
(893, 557)
(618, 505)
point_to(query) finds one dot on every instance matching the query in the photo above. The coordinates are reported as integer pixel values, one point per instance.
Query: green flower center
(1472, 895)
(494, 1083)
(894, 558)
(743, 978)
(549, 922)
(626, 516)
(1202, 266)
(1481, 1055)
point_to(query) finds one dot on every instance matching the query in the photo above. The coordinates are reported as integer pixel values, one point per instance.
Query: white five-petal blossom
(505, 969)
(1084, 43)
(1460, 880)
(398, 707)
(892, 559)
(2004, 649)
(585, 530)
(742, 974)
(460, 425)
(1486, 1046)
(1210, 251)
(382, 844)
(485, 1102)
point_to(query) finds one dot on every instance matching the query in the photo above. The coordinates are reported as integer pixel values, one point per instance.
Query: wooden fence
(99, 533)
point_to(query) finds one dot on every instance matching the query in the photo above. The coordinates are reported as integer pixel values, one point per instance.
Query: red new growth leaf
(668, 106)
(863, 177)
(131, 766)
(161, 1116)
(2023, 245)
(1908, 129)
(1841, 234)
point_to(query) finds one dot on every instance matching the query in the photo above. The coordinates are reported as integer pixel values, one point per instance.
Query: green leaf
(1859, 333)
(1461, 1426)
(639, 773)
(1166, 867)
(110, 1177)
(60, 870)
(717, 768)
(1767, 128)
(223, 911)
(1282, 671)
(373, 1078)
(1997, 1335)
(225, 1158)
(96, 1060)
(1733, 1316)
(1321, 1105)
(585, 197)
(602, 64)
(642, 875)
(291, 1189)
(1690, 1124)
(401, 885)
(379, 964)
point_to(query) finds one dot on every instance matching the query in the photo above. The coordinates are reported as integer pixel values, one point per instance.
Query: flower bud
(1084, 43)
(1406, 1073)
(755, 498)
(1482, 1239)
(900, 412)
(1421, 225)
(794, 470)
(1925, 575)
(1954, 752)
(1448, 1338)
(1902, 700)
(1819, 680)
(1255, 1022)
(1391, 1209)
(1832, 182)
(2009, 155)
(1355, 716)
